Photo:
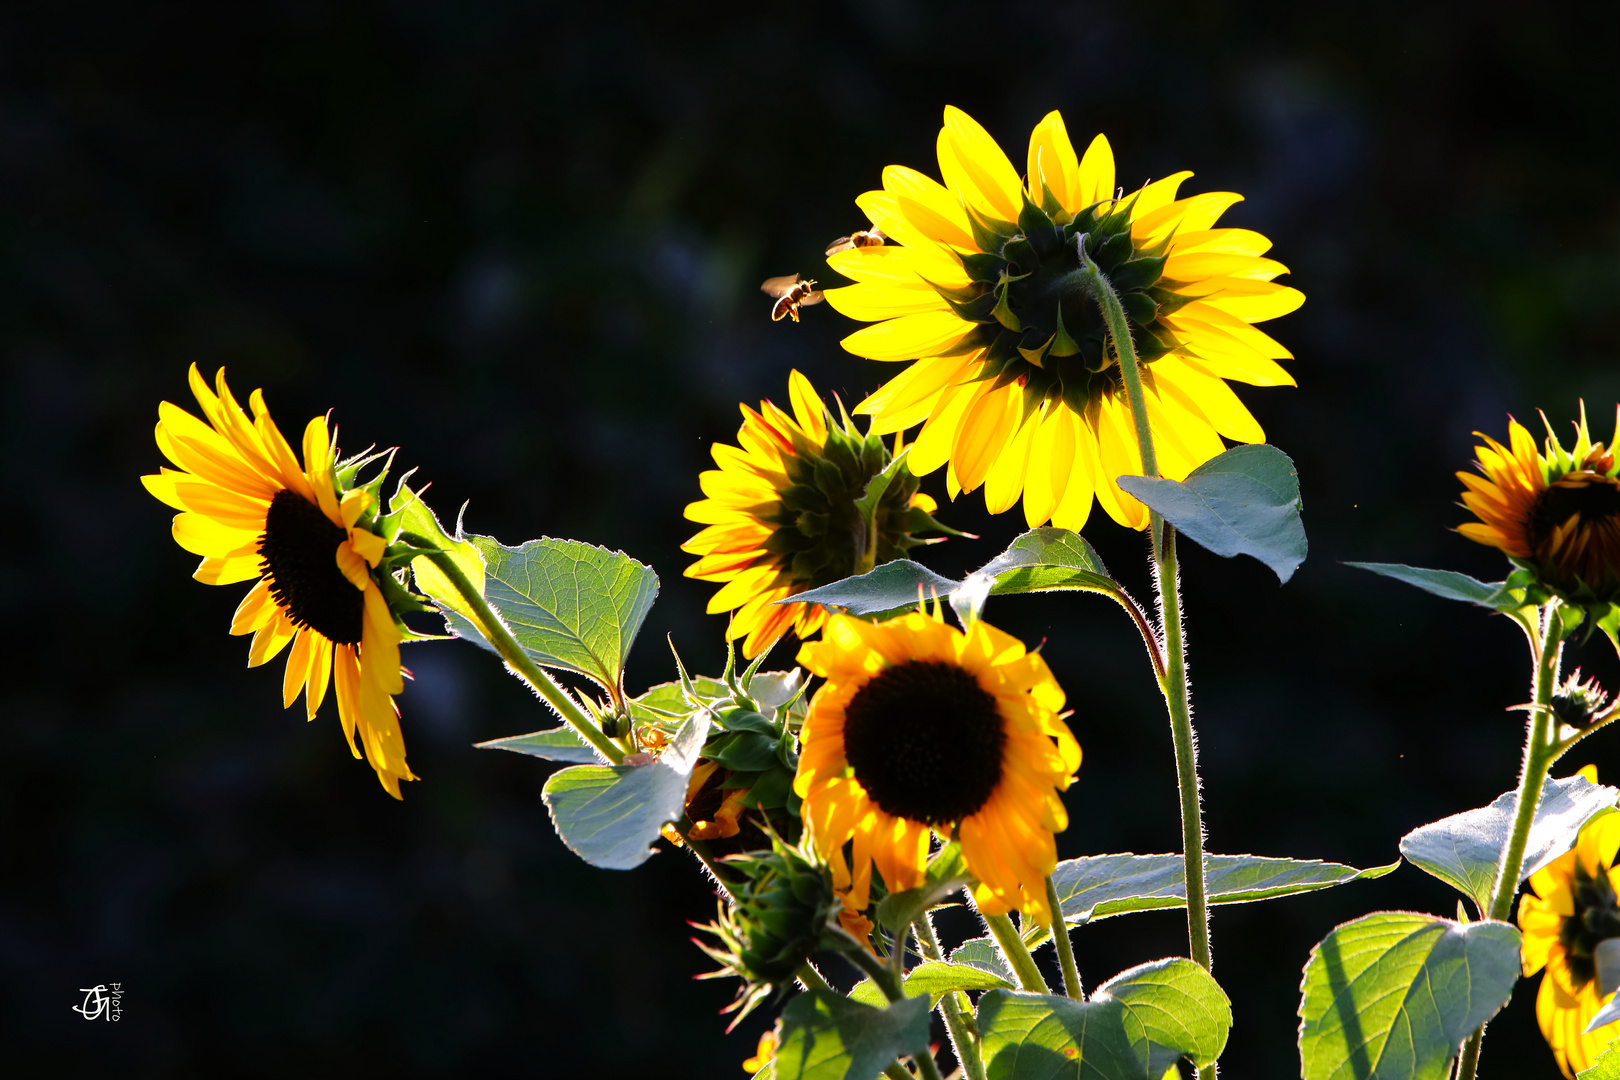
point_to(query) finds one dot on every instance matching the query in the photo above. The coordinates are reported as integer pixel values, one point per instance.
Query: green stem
(1540, 751)
(1166, 583)
(1017, 954)
(1165, 578)
(952, 1007)
(897, 1071)
(811, 979)
(875, 969)
(489, 624)
(1065, 948)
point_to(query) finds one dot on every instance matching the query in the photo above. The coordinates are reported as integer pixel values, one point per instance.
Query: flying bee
(792, 293)
(872, 237)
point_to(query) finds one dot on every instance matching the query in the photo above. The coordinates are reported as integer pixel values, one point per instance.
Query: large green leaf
(1391, 995)
(892, 587)
(1243, 502)
(1462, 850)
(1448, 584)
(984, 954)
(554, 744)
(570, 605)
(1098, 886)
(1135, 1027)
(936, 978)
(1042, 560)
(828, 1037)
(1606, 1067)
(609, 815)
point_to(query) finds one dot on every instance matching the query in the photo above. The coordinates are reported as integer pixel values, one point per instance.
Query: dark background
(521, 240)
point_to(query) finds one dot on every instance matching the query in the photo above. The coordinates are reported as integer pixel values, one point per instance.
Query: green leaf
(936, 979)
(609, 815)
(867, 504)
(828, 1037)
(1135, 1027)
(746, 751)
(670, 698)
(1448, 584)
(409, 514)
(1098, 886)
(570, 605)
(1243, 502)
(1606, 1067)
(891, 587)
(946, 873)
(984, 954)
(1463, 849)
(1045, 559)
(556, 744)
(1391, 995)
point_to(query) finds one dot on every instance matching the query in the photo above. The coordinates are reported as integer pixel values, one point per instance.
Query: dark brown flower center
(299, 552)
(925, 741)
(1594, 499)
(1596, 918)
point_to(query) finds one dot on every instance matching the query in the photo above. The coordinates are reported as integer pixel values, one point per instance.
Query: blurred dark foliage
(521, 240)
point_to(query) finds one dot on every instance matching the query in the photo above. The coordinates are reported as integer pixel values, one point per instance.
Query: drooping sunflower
(1555, 514)
(252, 512)
(1014, 383)
(781, 515)
(1573, 906)
(923, 728)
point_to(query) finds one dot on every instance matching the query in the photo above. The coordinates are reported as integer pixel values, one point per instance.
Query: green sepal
(1138, 273)
(982, 266)
(988, 232)
(1139, 307)
(980, 309)
(1038, 351)
(1002, 311)
(1044, 236)
(1062, 343)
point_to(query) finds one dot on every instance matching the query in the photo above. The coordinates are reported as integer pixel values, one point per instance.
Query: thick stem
(1119, 329)
(954, 1006)
(811, 979)
(495, 632)
(1540, 751)
(1166, 580)
(1017, 954)
(1065, 948)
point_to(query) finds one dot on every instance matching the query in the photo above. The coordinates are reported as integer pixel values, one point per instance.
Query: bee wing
(810, 298)
(843, 243)
(779, 286)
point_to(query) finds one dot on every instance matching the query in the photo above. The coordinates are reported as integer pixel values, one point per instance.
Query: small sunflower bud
(1576, 702)
(776, 922)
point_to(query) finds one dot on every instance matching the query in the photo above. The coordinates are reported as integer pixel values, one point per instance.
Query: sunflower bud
(776, 921)
(1577, 702)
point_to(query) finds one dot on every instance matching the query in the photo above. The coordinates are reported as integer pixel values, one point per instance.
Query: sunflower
(251, 512)
(1014, 382)
(1555, 514)
(782, 516)
(1573, 907)
(921, 727)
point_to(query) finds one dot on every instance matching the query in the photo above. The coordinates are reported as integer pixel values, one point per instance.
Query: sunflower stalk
(954, 1006)
(1017, 954)
(1065, 948)
(495, 632)
(888, 982)
(1541, 750)
(1166, 582)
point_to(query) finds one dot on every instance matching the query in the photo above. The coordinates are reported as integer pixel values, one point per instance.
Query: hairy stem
(489, 624)
(1017, 954)
(1540, 751)
(954, 1006)
(1065, 948)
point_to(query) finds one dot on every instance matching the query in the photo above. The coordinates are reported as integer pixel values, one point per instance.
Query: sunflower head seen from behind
(921, 728)
(1554, 512)
(781, 515)
(1015, 383)
(1572, 908)
(304, 534)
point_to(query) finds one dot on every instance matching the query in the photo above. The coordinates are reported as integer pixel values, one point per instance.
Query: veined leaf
(984, 954)
(1242, 502)
(1448, 584)
(554, 744)
(828, 1037)
(1098, 886)
(1606, 1067)
(1136, 1026)
(1463, 849)
(570, 605)
(1391, 995)
(936, 979)
(609, 815)
(891, 587)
